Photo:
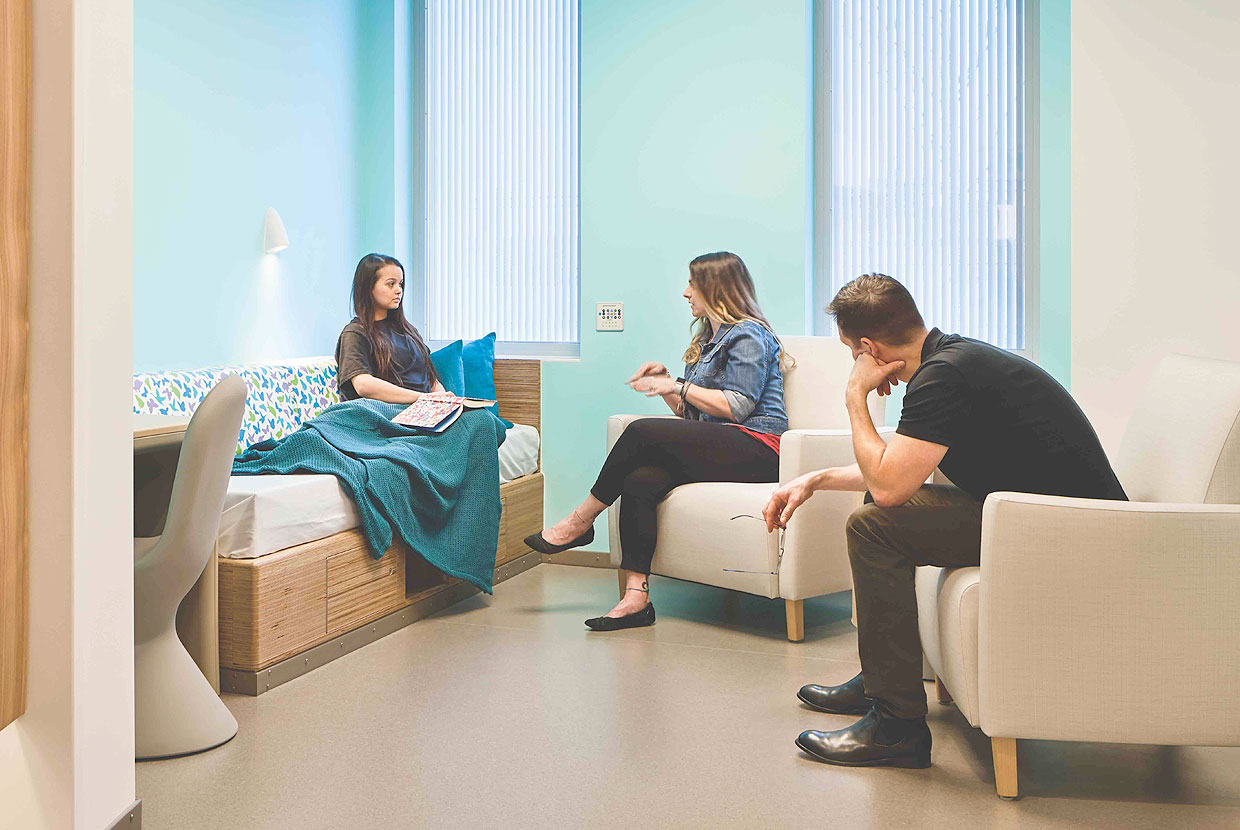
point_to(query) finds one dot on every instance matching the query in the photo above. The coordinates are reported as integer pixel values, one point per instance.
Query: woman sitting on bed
(731, 408)
(379, 354)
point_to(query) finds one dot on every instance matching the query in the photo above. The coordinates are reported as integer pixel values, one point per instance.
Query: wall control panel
(609, 317)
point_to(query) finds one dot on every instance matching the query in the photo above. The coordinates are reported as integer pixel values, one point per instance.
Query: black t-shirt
(1007, 424)
(355, 356)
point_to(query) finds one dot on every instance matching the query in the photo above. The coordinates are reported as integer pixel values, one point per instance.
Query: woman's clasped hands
(652, 379)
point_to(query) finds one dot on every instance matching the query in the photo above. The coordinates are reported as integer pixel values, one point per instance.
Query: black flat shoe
(846, 699)
(637, 619)
(538, 543)
(873, 741)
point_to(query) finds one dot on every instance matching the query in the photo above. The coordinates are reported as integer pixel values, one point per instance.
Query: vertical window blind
(501, 170)
(927, 156)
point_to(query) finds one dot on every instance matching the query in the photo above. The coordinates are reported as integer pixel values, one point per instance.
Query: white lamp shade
(275, 238)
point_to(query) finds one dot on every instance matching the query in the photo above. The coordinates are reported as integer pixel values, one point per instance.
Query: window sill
(522, 350)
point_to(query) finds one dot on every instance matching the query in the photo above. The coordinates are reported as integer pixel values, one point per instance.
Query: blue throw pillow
(478, 360)
(448, 366)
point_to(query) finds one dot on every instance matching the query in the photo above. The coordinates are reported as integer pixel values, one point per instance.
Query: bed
(297, 586)
(266, 514)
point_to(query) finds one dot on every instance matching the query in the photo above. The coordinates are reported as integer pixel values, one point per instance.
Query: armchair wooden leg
(1004, 751)
(940, 691)
(854, 609)
(620, 581)
(794, 609)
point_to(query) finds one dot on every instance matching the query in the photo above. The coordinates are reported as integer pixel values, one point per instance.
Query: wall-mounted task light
(275, 238)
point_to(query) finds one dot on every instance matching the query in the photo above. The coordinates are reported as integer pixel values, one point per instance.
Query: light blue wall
(1055, 184)
(673, 93)
(375, 128)
(239, 106)
(694, 138)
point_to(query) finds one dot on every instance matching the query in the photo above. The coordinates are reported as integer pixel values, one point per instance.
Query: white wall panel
(1155, 175)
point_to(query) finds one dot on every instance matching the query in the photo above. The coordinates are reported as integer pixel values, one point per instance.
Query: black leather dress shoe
(537, 542)
(873, 741)
(635, 620)
(846, 699)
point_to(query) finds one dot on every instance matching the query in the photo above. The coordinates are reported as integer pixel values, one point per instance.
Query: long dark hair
(380, 332)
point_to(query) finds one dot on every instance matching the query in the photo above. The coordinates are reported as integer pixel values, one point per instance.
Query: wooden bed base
(283, 604)
(244, 682)
(288, 603)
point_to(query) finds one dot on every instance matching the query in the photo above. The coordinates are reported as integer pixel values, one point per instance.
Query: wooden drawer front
(501, 546)
(270, 609)
(356, 567)
(360, 587)
(523, 515)
(369, 600)
(292, 603)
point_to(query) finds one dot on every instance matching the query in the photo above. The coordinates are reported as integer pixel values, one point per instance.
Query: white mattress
(264, 514)
(518, 455)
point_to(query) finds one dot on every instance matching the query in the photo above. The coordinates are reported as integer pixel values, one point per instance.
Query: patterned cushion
(282, 396)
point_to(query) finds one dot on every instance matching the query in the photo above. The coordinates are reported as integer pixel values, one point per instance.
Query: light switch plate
(609, 317)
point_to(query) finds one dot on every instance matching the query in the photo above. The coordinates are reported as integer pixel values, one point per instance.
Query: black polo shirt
(1007, 424)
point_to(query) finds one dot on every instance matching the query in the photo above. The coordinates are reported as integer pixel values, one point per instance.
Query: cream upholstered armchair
(713, 533)
(1077, 601)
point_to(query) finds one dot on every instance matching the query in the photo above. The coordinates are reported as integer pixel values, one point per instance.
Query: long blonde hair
(726, 289)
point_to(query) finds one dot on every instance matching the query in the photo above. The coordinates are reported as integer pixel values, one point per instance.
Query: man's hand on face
(870, 373)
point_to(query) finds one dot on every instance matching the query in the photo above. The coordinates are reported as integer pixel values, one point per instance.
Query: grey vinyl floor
(504, 712)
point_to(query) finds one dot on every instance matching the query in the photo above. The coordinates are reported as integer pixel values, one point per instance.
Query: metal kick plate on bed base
(256, 682)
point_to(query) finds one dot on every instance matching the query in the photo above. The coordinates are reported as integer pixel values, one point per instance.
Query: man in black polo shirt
(990, 421)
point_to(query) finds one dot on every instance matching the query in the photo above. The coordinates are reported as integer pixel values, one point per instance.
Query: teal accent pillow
(478, 361)
(448, 366)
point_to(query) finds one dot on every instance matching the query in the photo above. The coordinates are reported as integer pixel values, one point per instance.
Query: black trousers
(939, 525)
(655, 455)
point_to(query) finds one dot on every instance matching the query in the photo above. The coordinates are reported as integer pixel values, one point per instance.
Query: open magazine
(437, 411)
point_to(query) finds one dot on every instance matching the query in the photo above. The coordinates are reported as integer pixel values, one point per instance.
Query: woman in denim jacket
(731, 407)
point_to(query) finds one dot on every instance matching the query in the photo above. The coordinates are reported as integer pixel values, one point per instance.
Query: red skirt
(771, 441)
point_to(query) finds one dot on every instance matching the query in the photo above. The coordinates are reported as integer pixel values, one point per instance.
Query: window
(920, 161)
(498, 188)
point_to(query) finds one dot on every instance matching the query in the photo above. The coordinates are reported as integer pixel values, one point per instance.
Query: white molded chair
(176, 710)
(699, 541)
(1079, 603)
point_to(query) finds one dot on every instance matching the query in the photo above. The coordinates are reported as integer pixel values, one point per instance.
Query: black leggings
(655, 455)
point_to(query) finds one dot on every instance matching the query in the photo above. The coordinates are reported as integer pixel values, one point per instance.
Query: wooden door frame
(14, 355)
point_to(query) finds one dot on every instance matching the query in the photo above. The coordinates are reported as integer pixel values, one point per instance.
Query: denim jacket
(742, 360)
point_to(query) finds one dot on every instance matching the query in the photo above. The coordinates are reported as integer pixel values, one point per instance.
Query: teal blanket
(439, 494)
